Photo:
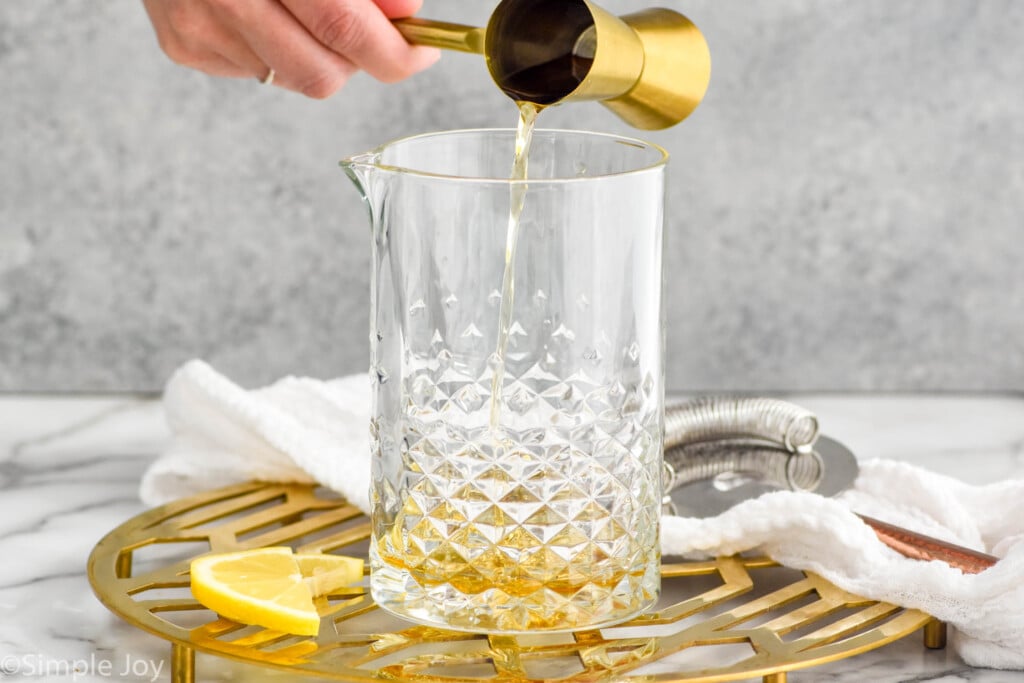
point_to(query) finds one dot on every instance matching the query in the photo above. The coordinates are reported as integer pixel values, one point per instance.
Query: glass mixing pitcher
(516, 487)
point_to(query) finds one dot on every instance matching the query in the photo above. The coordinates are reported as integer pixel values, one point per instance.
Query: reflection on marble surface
(69, 470)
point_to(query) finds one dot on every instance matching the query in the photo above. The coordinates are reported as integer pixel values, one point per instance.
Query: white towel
(305, 430)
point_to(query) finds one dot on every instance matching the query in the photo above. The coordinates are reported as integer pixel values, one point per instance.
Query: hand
(313, 46)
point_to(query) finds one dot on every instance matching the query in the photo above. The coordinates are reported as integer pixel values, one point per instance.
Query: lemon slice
(269, 587)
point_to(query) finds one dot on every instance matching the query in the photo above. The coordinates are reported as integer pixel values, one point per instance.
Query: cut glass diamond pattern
(549, 523)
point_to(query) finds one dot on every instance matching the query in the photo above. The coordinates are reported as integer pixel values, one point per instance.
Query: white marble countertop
(70, 467)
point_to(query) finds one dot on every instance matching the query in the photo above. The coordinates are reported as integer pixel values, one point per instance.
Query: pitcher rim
(372, 157)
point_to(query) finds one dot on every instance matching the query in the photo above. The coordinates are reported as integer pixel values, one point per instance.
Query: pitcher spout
(362, 171)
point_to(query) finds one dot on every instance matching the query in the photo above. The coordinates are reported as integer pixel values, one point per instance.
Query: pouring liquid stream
(531, 89)
(517, 198)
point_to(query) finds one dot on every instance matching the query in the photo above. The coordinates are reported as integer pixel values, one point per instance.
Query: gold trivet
(721, 620)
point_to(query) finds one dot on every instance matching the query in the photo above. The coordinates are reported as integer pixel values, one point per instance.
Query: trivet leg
(779, 677)
(183, 664)
(935, 635)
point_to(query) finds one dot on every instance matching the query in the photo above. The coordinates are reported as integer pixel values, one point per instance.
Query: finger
(358, 30)
(280, 42)
(219, 65)
(232, 47)
(192, 36)
(397, 9)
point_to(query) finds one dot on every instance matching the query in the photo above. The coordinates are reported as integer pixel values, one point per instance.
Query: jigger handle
(442, 34)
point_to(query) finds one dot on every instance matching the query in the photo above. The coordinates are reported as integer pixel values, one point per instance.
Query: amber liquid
(491, 574)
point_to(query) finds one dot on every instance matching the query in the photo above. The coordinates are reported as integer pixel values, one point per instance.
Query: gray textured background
(846, 207)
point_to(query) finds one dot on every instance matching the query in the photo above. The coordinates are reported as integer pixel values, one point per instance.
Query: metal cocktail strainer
(721, 451)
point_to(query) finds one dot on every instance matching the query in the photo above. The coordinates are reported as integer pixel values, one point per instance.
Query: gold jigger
(651, 67)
